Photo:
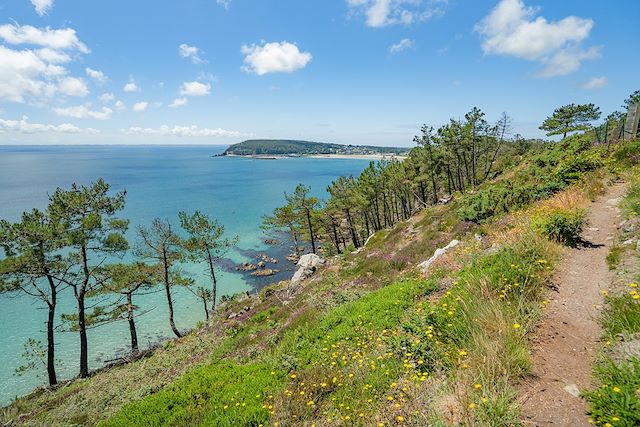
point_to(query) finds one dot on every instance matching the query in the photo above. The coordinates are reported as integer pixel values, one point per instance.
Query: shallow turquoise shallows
(160, 182)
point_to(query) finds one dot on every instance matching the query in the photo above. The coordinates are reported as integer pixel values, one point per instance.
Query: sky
(345, 71)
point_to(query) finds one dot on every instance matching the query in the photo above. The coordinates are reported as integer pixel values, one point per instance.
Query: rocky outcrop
(307, 265)
(424, 266)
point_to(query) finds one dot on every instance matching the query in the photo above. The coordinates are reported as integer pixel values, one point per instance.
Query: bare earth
(564, 346)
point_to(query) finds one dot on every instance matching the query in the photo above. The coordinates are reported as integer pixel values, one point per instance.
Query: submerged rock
(265, 272)
(424, 266)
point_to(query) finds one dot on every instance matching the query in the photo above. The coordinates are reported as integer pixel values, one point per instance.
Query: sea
(160, 181)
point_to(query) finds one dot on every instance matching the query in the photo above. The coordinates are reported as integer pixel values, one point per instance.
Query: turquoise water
(160, 182)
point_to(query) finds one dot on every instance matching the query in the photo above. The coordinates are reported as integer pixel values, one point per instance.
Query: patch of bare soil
(565, 344)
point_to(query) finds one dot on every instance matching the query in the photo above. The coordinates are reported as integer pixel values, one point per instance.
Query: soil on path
(565, 344)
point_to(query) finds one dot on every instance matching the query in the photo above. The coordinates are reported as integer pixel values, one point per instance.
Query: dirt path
(566, 342)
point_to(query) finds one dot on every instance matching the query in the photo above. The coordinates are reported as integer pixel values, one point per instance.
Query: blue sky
(347, 71)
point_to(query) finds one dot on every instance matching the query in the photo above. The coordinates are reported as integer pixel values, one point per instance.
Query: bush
(561, 226)
(621, 316)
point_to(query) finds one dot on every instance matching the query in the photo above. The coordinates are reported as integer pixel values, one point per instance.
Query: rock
(265, 272)
(445, 200)
(271, 242)
(572, 389)
(424, 266)
(614, 202)
(261, 264)
(293, 257)
(638, 246)
(307, 265)
(478, 238)
(246, 267)
(628, 242)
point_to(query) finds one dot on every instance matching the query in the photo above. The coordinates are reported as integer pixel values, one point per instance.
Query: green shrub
(561, 226)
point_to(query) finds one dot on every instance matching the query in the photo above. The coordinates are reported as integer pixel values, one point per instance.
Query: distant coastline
(317, 156)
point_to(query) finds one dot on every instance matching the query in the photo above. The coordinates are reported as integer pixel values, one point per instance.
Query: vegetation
(370, 340)
(570, 118)
(257, 147)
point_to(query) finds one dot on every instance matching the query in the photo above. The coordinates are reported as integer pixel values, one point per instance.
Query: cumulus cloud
(97, 76)
(195, 89)
(402, 45)
(62, 39)
(107, 97)
(24, 126)
(190, 52)
(120, 105)
(596, 83)
(513, 29)
(183, 131)
(283, 57)
(131, 87)
(37, 73)
(42, 6)
(84, 112)
(381, 13)
(139, 107)
(73, 86)
(179, 102)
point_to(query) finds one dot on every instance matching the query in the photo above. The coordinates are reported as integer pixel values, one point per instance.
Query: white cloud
(183, 131)
(63, 39)
(283, 57)
(596, 83)
(513, 29)
(120, 105)
(24, 126)
(131, 87)
(107, 97)
(139, 107)
(195, 89)
(73, 86)
(179, 102)
(224, 3)
(42, 6)
(381, 13)
(190, 52)
(84, 112)
(96, 75)
(36, 74)
(402, 45)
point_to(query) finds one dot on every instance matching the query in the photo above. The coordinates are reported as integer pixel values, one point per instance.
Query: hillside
(284, 147)
(370, 339)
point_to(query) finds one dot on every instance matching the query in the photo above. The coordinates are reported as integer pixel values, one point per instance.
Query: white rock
(307, 265)
(572, 389)
(424, 266)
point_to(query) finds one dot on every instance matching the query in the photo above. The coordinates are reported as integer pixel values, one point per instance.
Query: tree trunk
(82, 325)
(206, 309)
(167, 288)
(313, 243)
(132, 325)
(335, 234)
(214, 289)
(51, 358)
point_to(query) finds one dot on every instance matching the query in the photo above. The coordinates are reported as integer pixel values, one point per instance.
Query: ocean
(160, 181)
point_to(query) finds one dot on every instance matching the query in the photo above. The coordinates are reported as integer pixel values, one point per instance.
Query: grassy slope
(367, 341)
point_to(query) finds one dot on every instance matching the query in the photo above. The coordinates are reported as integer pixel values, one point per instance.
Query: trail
(565, 344)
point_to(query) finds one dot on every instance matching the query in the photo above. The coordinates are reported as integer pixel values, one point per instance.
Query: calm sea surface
(160, 182)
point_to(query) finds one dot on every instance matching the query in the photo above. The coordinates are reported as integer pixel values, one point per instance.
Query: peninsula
(263, 148)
